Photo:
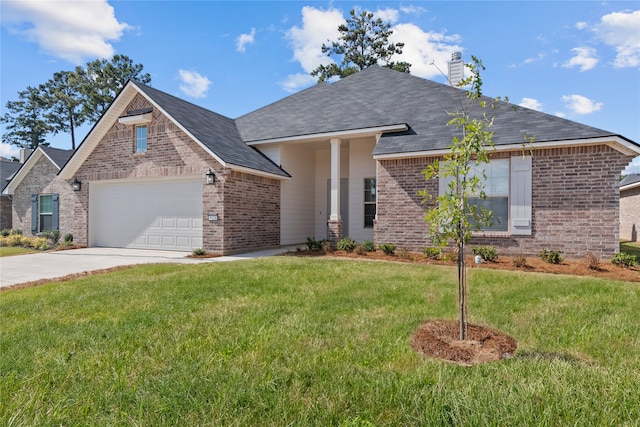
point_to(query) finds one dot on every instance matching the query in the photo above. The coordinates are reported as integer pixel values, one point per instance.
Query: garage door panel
(153, 215)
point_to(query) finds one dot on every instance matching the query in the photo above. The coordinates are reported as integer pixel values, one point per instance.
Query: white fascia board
(256, 172)
(630, 186)
(615, 142)
(10, 188)
(344, 134)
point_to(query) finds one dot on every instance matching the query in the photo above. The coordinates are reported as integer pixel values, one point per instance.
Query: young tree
(103, 79)
(364, 41)
(25, 120)
(452, 219)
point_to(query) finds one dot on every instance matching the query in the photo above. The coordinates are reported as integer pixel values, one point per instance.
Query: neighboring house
(7, 169)
(41, 200)
(630, 208)
(334, 160)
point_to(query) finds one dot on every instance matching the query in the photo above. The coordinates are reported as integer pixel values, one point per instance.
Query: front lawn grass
(301, 341)
(15, 250)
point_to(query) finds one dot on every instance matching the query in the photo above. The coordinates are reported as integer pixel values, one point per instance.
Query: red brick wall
(630, 214)
(574, 197)
(170, 152)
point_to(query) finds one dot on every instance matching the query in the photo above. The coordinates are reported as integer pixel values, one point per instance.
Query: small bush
(52, 235)
(40, 243)
(488, 253)
(198, 252)
(314, 245)
(13, 240)
(5, 232)
(325, 246)
(552, 257)
(388, 248)
(360, 250)
(592, 262)
(520, 261)
(433, 253)
(68, 239)
(624, 260)
(17, 231)
(347, 244)
(368, 245)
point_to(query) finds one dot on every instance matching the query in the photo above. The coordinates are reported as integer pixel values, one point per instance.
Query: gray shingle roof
(379, 96)
(7, 169)
(57, 155)
(630, 179)
(216, 132)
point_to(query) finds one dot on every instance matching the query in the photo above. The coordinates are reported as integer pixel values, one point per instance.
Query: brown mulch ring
(440, 339)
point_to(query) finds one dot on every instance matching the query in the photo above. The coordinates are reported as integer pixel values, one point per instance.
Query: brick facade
(574, 199)
(630, 214)
(172, 153)
(43, 179)
(6, 207)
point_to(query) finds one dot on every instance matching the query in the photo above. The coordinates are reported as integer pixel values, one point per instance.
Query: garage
(159, 214)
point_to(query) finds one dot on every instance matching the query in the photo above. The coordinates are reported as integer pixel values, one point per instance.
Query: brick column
(335, 232)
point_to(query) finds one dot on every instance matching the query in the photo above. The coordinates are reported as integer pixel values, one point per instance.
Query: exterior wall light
(76, 185)
(210, 177)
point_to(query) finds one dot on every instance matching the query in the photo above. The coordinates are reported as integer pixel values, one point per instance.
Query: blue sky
(578, 60)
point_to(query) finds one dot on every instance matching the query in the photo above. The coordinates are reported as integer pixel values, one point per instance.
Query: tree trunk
(462, 291)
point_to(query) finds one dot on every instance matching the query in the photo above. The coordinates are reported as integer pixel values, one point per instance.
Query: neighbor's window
(141, 139)
(45, 212)
(496, 188)
(369, 202)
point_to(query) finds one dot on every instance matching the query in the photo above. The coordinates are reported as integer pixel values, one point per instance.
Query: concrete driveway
(20, 269)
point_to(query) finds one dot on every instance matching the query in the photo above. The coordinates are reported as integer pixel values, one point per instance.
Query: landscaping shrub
(198, 252)
(360, 250)
(388, 248)
(433, 253)
(520, 261)
(5, 232)
(488, 253)
(12, 240)
(404, 253)
(314, 245)
(40, 243)
(325, 246)
(624, 260)
(52, 235)
(347, 244)
(552, 257)
(68, 239)
(368, 245)
(592, 262)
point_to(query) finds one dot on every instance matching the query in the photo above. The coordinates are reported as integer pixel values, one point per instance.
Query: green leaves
(363, 42)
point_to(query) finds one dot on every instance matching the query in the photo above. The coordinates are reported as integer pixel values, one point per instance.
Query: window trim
(42, 214)
(372, 192)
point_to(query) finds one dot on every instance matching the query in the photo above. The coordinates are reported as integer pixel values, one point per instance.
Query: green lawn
(302, 342)
(15, 250)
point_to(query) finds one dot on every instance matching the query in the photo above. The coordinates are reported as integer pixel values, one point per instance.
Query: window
(369, 202)
(141, 139)
(496, 188)
(45, 212)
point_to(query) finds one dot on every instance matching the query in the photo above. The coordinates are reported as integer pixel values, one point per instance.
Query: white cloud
(634, 166)
(531, 103)
(245, 39)
(293, 82)
(194, 84)
(387, 15)
(9, 151)
(581, 104)
(423, 49)
(318, 27)
(561, 114)
(581, 25)
(74, 31)
(585, 58)
(620, 30)
(412, 10)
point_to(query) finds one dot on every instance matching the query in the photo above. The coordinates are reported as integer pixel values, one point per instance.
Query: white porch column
(335, 180)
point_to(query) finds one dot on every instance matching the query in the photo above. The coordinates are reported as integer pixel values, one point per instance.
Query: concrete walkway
(28, 268)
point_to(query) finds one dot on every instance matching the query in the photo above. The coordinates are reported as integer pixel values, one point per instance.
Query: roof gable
(217, 134)
(56, 156)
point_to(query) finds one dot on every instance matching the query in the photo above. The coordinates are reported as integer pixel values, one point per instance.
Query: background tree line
(67, 100)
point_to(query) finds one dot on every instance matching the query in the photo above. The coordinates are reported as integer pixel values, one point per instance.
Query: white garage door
(164, 215)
